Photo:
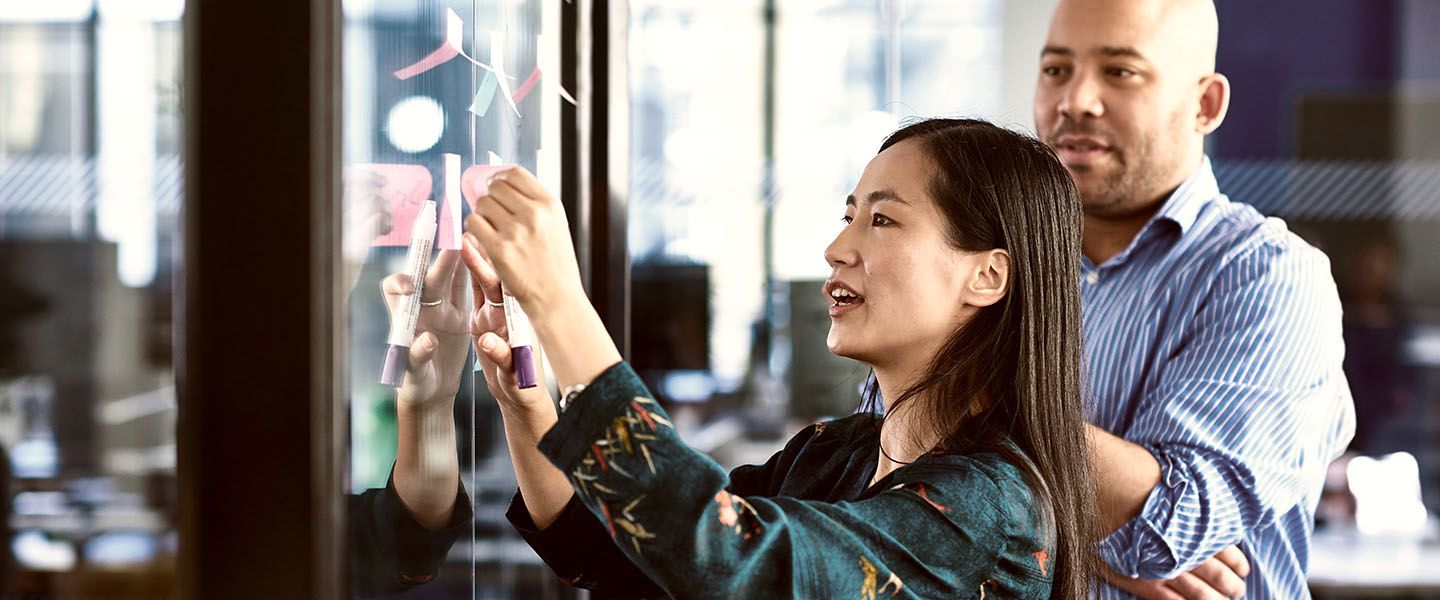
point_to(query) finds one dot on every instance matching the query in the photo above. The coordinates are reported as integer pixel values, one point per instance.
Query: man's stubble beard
(1138, 185)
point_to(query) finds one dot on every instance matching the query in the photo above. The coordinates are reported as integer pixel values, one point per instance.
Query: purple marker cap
(396, 359)
(524, 363)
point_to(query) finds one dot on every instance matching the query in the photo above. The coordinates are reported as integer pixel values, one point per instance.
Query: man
(1212, 334)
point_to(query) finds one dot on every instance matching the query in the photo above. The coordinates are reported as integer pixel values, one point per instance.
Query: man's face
(1116, 103)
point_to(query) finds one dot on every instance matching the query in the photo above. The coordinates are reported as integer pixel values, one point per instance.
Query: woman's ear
(991, 279)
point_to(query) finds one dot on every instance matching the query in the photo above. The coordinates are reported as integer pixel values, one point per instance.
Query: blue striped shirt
(1214, 341)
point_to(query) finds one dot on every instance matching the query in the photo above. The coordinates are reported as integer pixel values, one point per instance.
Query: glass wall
(749, 122)
(90, 191)
(435, 91)
(1338, 138)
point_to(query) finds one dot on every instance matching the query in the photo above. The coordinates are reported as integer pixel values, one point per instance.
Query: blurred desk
(1345, 563)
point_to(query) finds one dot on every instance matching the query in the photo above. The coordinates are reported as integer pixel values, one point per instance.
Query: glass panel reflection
(435, 93)
(90, 192)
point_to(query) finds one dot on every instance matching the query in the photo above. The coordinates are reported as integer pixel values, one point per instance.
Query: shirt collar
(1182, 208)
(1184, 204)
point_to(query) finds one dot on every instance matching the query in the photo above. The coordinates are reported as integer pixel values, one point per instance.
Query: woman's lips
(837, 310)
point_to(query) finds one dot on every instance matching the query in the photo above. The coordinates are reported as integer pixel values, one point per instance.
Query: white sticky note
(451, 235)
(497, 63)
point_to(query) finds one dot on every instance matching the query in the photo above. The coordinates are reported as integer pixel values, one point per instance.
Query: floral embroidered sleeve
(941, 529)
(579, 549)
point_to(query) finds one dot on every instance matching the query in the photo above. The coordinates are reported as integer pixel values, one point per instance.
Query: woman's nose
(841, 251)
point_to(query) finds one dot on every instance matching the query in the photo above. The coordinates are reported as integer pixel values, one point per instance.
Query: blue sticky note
(484, 95)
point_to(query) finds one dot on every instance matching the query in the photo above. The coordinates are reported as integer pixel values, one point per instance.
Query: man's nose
(1080, 99)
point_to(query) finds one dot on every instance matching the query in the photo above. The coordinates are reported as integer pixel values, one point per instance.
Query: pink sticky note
(405, 188)
(529, 84)
(454, 36)
(524, 89)
(476, 181)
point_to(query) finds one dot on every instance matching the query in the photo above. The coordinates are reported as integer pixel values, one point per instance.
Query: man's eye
(1121, 73)
(847, 219)
(881, 220)
(1052, 71)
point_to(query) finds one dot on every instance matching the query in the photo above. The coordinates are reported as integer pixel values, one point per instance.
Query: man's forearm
(1125, 474)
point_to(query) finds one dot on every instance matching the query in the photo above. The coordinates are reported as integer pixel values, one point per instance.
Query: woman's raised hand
(526, 238)
(438, 352)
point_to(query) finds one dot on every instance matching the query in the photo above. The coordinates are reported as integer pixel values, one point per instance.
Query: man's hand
(1222, 576)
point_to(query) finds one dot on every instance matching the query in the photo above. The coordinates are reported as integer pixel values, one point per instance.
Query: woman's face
(897, 289)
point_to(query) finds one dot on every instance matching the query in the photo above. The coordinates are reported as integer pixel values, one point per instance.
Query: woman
(954, 278)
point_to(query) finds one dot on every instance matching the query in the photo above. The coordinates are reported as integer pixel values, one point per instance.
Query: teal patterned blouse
(652, 517)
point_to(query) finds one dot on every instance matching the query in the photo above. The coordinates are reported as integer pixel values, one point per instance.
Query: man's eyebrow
(878, 196)
(1114, 51)
(1110, 51)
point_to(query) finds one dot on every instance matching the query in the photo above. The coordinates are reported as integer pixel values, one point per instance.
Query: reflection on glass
(748, 133)
(435, 92)
(90, 193)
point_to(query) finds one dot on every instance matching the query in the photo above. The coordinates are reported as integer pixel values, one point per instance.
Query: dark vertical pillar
(595, 155)
(260, 501)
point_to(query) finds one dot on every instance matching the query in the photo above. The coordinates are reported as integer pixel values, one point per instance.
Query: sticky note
(484, 95)
(476, 181)
(529, 84)
(497, 62)
(404, 188)
(545, 61)
(447, 234)
(454, 36)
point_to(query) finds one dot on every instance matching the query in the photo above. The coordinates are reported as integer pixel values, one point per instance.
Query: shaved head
(1127, 93)
(1181, 33)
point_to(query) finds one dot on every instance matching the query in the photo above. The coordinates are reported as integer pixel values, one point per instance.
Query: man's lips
(1079, 150)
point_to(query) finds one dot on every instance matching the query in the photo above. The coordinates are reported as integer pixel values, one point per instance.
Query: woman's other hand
(439, 350)
(489, 332)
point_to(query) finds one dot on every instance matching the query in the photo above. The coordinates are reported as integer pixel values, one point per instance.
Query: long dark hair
(1013, 372)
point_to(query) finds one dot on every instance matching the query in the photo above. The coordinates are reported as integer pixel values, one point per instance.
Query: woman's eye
(880, 220)
(847, 219)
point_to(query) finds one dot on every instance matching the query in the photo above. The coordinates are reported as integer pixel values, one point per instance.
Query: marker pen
(402, 324)
(522, 343)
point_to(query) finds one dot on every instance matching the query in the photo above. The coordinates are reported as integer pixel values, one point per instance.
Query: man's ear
(1214, 103)
(991, 278)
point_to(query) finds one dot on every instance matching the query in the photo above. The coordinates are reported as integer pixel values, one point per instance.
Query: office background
(704, 162)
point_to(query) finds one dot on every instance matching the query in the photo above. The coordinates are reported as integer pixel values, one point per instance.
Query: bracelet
(571, 393)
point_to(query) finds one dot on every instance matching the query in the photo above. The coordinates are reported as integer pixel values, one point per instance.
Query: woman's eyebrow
(878, 196)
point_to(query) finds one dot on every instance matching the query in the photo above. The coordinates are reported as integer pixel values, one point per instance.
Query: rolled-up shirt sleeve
(1246, 412)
